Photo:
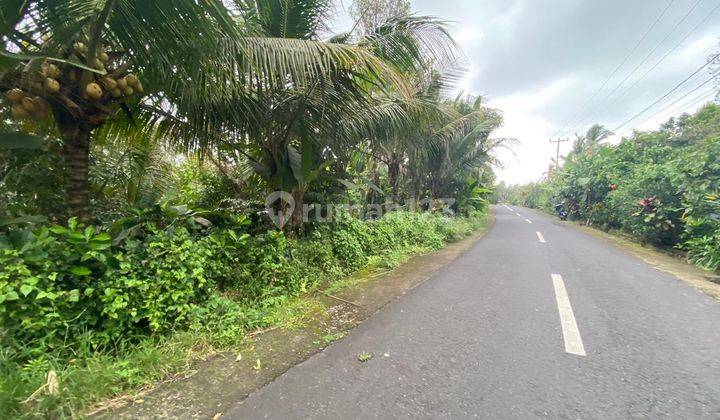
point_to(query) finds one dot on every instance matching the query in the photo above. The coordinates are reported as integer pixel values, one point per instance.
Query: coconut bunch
(114, 84)
(24, 106)
(55, 81)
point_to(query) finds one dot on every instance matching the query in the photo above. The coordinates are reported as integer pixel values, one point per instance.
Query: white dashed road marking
(529, 221)
(541, 238)
(571, 335)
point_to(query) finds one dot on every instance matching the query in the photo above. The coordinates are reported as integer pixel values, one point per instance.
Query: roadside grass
(377, 265)
(96, 379)
(297, 312)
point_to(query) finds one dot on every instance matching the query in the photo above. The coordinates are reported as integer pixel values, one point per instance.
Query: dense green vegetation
(139, 141)
(78, 306)
(662, 187)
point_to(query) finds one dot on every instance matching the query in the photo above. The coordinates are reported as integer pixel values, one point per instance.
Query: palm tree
(305, 127)
(462, 147)
(200, 65)
(591, 140)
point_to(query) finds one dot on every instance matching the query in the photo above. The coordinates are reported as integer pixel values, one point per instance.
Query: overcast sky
(540, 61)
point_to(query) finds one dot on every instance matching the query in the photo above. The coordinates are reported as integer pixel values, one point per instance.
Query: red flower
(644, 203)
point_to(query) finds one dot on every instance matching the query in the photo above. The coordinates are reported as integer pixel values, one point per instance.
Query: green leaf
(349, 185)
(18, 140)
(74, 295)
(79, 270)
(60, 230)
(11, 296)
(99, 246)
(102, 237)
(32, 281)
(25, 289)
(89, 232)
(25, 57)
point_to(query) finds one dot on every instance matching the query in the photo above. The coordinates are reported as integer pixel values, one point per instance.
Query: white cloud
(700, 48)
(529, 101)
(523, 122)
(467, 35)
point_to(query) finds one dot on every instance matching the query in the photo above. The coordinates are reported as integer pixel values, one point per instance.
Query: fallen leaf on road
(365, 356)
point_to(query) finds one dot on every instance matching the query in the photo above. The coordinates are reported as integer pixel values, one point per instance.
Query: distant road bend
(537, 320)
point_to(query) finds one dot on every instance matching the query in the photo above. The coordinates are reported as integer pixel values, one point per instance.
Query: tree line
(662, 186)
(110, 102)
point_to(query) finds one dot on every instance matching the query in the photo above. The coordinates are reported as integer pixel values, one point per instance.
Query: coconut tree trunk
(296, 220)
(76, 153)
(371, 195)
(394, 178)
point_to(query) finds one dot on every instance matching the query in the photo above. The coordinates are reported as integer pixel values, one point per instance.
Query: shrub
(59, 283)
(49, 282)
(704, 251)
(156, 284)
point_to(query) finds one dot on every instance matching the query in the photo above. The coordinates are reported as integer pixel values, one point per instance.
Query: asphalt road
(492, 336)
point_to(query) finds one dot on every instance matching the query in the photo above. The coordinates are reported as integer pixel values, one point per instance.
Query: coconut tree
(589, 142)
(461, 151)
(419, 47)
(306, 126)
(188, 69)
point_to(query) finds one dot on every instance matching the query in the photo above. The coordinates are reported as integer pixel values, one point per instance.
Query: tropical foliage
(660, 186)
(140, 140)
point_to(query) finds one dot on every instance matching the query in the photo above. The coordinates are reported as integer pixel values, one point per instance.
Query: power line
(665, 95)
(593, 113)
(689, 104)
(708, 94)
(667, 54)
(627, 57)
(676, 101)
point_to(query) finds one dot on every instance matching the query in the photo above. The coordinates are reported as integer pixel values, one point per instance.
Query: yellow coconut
(103, 56)
(128, 91)
(19, 112)
(28, 104)
(122, 84)
(109, 82)
(79, 47)
(52, 85)
(42, 108)
(132, 80)
(52, 71)
(15, 95)
(93, 90)
(116, 93)
(139, 87)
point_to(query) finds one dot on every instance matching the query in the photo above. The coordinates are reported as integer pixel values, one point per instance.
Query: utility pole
(557, 154)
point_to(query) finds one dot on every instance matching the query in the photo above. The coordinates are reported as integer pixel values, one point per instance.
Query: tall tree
(589, 142)
(369, 15)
